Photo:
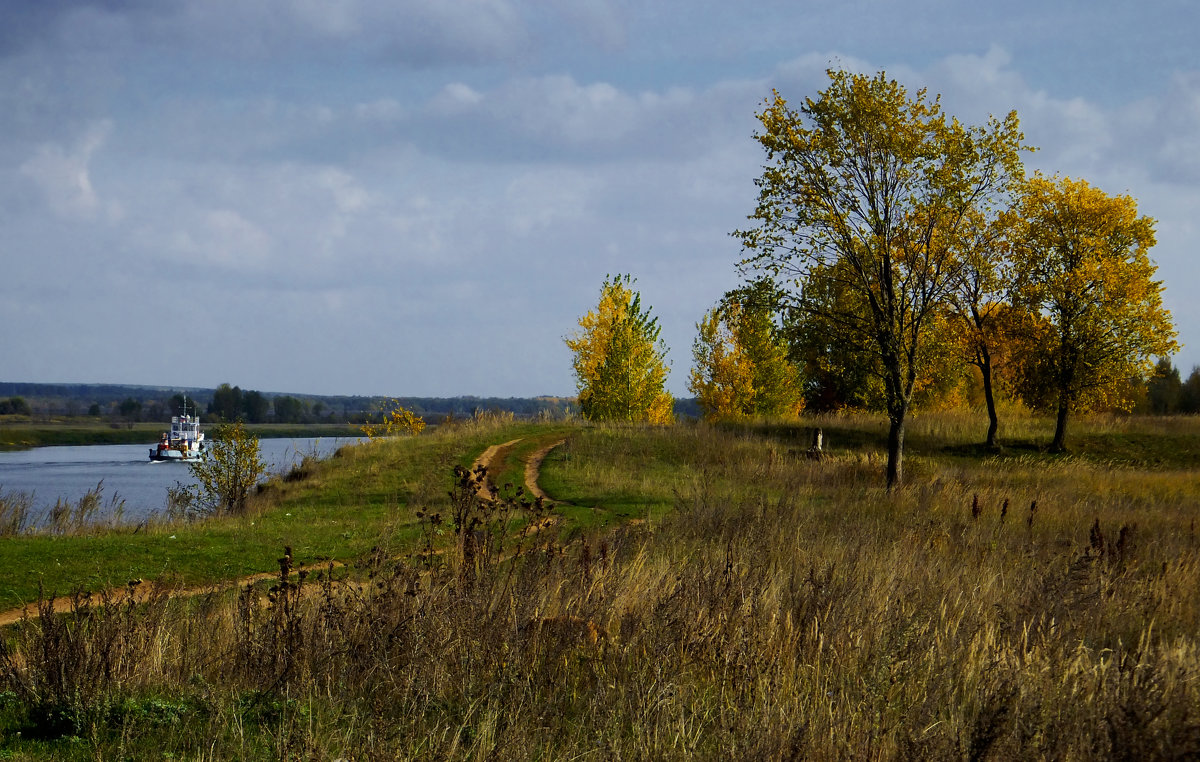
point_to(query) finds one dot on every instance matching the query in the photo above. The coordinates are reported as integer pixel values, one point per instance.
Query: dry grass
(782, 609)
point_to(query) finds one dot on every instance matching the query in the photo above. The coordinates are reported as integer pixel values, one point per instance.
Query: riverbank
(23, 435)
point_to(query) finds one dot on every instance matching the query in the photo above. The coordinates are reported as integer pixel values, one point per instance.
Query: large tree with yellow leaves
(1083, 256)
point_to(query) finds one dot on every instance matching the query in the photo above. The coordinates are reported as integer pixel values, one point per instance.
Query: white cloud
(63, 174)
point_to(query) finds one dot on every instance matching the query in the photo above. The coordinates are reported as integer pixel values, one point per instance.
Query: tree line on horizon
(897, 258)
(228, 403)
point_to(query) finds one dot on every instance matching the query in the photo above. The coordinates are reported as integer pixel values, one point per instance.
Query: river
(68, 473)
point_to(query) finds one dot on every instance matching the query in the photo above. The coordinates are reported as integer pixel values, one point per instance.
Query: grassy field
(702, 592)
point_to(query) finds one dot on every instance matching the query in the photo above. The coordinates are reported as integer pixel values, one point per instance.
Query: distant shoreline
(28, 436)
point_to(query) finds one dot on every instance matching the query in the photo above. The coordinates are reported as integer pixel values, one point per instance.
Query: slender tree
(866, 186)
(980, 299)
(721, 377)
(225, 475)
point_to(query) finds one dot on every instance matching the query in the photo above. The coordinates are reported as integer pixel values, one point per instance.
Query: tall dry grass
(784, 609)
(82, 516)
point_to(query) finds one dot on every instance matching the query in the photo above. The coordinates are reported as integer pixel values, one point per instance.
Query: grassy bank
(24, 436)
(707, 592)
(364, 497)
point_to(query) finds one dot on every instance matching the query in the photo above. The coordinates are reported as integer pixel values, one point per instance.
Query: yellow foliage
(722, 378)
(1084, 257)
(619, 363)
(741, 367)
(398, 420)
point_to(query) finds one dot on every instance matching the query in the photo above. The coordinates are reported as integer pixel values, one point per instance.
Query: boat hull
(173, 456)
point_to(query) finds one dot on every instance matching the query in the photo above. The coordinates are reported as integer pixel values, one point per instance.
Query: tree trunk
(985, 367)
(1060, 430)
(895, 464)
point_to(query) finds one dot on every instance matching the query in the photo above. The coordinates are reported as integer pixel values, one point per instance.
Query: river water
(68, 473)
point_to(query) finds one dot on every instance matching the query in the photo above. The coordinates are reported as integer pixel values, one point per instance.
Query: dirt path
(141, 591)
(485, 460)
(533, 470)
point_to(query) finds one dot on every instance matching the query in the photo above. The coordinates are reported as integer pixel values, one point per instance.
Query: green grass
(364, 497)
(762, 606)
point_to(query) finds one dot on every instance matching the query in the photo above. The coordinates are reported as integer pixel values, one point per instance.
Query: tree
(619, 362)
(1084, 257)
(15, 406)
(979, 299)
(722, 378)
(289, 409)
(255, 406)
(1189, 395)
(1164, 390)
(227, 472)
(226, 403)
(131, 409)
(837, 365)
(865, 188)
(741, 359)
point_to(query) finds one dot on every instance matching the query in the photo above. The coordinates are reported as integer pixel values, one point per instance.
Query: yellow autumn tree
(721, 377)
(619, 360)
(741, 365)
(1083, 257)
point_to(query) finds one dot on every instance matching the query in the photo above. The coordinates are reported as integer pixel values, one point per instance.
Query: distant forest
(227, 403)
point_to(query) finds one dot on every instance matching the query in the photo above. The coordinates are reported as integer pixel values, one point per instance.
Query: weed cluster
(17, 516)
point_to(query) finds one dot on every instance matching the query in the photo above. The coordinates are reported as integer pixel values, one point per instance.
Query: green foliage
(837, 362)
(226, 403)
(1164, 390)
(15, 406)
(1189, 395)
(289, 409)
(255, 406)
(130, 409)
(228, 470)
(619, 360)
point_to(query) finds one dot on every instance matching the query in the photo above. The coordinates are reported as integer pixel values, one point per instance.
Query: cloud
(376, 184)
(1167, 130)
(63, 174)
(556, 118)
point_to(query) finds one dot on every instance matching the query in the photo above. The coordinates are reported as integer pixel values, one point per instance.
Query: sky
(421, 198)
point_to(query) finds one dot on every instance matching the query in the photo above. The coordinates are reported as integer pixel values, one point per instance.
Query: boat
(183, 443)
